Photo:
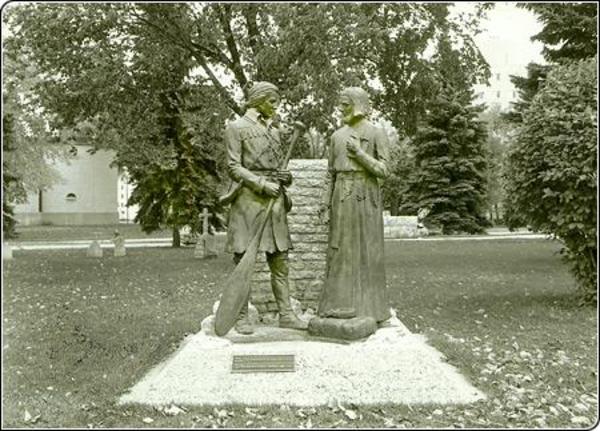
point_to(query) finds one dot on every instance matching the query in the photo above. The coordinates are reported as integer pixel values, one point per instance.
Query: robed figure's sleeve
(376, 165)
(235, 168)
(330, 176)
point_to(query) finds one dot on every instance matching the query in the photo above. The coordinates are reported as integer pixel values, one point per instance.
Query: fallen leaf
(350, 414)
(173, 410)
(582, 420)
(389, 422)
(220, 413)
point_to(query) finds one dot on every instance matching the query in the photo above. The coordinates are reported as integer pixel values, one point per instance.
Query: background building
(506, 44)
(87, 194)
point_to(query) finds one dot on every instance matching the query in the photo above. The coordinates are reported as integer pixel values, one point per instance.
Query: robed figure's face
(346, 108)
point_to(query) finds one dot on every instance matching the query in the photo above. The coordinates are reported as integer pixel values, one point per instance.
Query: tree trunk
(176, 238)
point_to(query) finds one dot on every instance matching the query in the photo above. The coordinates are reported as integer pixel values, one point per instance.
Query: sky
(506, 33)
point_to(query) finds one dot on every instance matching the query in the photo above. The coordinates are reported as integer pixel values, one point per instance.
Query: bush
(552, 167)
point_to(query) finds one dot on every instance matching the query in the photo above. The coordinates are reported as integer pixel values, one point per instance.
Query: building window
(497, 77)
(498, 94)
(71, 197)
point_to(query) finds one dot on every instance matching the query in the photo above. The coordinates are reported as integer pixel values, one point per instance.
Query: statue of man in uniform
(255, 153)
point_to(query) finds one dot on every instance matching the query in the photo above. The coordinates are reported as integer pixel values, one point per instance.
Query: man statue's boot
(278, 264)
(243, 324)
(287, 317)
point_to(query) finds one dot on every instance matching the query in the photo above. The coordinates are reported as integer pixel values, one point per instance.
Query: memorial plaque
(263, 364)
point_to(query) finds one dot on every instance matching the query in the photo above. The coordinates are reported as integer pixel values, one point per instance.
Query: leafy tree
(119, 67)
(128, 89)
(552, 177)
(29, 146)
(499, 136)
(569, 33)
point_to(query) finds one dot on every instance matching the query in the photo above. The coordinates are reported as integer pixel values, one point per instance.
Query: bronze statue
(355, 284)
(255, 156)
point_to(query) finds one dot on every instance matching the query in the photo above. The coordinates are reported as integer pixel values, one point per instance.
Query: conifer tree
(450, 166)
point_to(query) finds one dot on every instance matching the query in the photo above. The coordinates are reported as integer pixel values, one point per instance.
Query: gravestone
(94, 250)
(309, 240)
(206, 245)
(7, 253)
(119, 242)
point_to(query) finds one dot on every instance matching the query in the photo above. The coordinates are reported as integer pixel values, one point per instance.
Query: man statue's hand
(271, 189)
(284, 177)
(352, 148)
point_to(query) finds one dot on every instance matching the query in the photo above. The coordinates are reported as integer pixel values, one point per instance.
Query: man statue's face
(346, 108)
(268, 106)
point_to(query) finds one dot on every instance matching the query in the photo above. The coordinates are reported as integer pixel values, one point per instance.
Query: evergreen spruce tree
(450, 152)
(450, 166)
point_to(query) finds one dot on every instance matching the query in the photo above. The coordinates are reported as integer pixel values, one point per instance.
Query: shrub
(552, 173)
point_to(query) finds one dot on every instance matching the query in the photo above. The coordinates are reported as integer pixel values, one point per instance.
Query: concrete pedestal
(390, 366)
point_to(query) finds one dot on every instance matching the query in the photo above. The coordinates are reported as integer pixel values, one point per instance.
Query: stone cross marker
(205, 246)
(119, 242)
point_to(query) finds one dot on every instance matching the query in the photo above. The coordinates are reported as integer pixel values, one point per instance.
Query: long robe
(355, 282)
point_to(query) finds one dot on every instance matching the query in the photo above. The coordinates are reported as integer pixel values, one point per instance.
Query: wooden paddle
(237, 286)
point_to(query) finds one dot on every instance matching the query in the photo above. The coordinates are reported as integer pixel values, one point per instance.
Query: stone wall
(402, 227)
(309, 239)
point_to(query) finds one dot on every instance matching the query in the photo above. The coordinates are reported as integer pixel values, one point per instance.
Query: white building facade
(87, 194)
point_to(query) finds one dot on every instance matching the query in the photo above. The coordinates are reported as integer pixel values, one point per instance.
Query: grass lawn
(72, 232)
(78, 332)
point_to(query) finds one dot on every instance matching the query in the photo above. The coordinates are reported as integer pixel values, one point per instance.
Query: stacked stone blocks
(307, 261)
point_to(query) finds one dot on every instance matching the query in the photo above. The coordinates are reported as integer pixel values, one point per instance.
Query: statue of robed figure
(355, 284)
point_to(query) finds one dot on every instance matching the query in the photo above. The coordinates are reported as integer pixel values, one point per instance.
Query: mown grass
(78, 332)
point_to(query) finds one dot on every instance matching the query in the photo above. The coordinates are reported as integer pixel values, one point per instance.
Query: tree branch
(198, 55)
(228, 99)
(224, 12)
(255, 40)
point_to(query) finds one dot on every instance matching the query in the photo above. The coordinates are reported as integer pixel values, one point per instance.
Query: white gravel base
(391, 366)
